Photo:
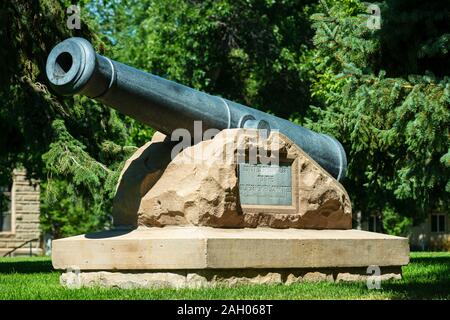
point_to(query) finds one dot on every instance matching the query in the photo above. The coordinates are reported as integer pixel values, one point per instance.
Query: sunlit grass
(426, 277)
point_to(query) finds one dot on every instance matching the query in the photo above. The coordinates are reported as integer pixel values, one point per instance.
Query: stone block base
(204, 256)
(218, 278)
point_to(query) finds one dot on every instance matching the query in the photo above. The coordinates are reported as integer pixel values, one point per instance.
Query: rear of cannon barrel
(73, 67)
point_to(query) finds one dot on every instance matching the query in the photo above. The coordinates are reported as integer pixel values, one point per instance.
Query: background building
(432, 234)
(19, 216)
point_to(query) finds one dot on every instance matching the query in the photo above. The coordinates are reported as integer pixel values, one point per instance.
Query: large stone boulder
(200, 187)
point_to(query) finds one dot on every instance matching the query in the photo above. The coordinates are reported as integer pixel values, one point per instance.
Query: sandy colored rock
(217, 278)
(139, 174)
(200, 187)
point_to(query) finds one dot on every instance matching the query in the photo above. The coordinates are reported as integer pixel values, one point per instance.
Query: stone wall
(25, 205)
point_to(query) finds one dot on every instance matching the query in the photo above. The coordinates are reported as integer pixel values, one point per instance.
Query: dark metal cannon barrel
(73, 67)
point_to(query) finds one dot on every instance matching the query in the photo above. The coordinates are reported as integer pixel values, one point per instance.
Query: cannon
(73, 67)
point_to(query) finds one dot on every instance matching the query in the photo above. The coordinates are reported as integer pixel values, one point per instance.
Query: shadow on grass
(424, 278)
(24, 266)
(432, 260)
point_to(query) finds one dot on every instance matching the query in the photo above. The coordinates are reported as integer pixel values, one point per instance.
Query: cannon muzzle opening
(70, 65)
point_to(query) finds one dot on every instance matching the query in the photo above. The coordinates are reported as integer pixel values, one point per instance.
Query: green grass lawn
(426, 277)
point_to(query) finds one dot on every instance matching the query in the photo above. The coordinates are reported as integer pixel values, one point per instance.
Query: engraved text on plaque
(261, 184)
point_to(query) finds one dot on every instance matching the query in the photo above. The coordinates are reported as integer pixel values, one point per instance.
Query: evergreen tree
(383, 93)
(73, 145)
(393, 122)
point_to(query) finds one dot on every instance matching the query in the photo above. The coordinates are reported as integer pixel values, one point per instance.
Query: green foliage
(395, 224)
(67, 156)
(446, 162)
(395, 130)
(64, 142)
(247, 51)
(415, 37)
(64, 212)
(83, 203)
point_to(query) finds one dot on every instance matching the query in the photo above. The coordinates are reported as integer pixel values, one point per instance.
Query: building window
(5, 209)
(375, 224)
(438, 223)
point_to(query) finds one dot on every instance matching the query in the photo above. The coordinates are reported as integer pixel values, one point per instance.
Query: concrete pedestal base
(203, 256)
